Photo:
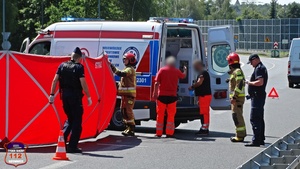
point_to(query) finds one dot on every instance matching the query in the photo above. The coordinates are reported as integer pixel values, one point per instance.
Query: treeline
(25, 17)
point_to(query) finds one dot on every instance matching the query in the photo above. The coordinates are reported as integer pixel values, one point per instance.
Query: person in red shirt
(165, 94)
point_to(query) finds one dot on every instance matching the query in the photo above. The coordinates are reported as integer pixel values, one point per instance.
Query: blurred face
(125, 61)
(198, 67)
(254, 62)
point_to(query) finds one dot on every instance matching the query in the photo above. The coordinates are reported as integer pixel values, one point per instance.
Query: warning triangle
(273, 93)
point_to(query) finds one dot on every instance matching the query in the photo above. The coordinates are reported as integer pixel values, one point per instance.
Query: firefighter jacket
(237, 83)
(127, 84)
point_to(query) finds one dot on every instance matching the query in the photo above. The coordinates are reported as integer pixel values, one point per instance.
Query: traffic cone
(61, 148)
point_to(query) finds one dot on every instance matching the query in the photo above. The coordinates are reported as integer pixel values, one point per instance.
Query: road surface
(112, 151)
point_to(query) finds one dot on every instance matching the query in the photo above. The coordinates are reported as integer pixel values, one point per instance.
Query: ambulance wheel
(291, 85)
(177, 124)
(116, 122)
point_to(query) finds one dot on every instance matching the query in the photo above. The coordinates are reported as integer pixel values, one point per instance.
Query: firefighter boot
(129, 131)
(236, 139)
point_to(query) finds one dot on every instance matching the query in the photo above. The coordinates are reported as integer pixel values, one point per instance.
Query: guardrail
(283, 154)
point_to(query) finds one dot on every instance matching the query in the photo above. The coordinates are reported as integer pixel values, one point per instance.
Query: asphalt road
(111, 150)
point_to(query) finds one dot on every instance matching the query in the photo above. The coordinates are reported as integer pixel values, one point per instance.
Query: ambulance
(151, 42)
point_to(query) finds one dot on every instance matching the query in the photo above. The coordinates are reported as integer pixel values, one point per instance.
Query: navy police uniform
(71, 94)
(258, 97)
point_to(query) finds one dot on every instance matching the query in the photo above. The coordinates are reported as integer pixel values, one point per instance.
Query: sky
(282, 2)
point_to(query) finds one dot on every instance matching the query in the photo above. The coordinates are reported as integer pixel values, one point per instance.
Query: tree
(221, 9)
(248, 13)
(273, 14)
(293, 10)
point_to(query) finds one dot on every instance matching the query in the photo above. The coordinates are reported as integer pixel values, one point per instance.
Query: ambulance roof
(111, 26)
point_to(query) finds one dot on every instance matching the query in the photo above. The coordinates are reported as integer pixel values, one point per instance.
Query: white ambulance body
(150, 42)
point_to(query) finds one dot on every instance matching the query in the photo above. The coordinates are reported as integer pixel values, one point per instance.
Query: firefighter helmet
(233, 58)
(131, 58)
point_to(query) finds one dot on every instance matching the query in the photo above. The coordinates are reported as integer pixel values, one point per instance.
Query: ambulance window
(219, 54)
(42, 48)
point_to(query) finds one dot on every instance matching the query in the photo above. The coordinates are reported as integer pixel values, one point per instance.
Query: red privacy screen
(25, 114)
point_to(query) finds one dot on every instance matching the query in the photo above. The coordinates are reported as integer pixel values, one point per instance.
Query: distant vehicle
(151, 42)
(294, 63)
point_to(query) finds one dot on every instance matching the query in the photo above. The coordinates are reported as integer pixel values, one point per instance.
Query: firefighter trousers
(161, 108)
(127, 104)
(238, 118)
(204, 103)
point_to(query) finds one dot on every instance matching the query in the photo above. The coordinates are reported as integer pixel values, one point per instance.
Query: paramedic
(237, 96)
(257, 92)
(203, 91)
(70, 76)
(127, 90)
(165, 94)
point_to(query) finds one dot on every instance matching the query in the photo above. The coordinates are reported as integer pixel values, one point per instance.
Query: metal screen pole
(3, 20)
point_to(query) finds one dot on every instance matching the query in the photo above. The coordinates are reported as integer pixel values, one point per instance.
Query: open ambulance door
(219, 44)
(163, 45)
(25, 45)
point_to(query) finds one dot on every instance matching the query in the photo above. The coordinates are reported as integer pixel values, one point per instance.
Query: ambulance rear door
(220, 43)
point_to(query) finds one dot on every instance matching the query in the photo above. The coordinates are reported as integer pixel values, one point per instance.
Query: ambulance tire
(177, 124)
(291, 85)
(116, 122)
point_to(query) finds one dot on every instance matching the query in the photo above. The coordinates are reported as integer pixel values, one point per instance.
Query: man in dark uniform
(257, 91)
(71, 79)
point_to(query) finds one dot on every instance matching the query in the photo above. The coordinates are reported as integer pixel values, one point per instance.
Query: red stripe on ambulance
(104, 34)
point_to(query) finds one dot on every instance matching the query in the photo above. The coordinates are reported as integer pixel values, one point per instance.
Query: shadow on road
(109, 143)
(184, 134)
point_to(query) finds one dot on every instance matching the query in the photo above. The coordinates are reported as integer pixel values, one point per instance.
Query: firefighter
(165, 94)
(127, 90)
(70, 76)
(237, 96)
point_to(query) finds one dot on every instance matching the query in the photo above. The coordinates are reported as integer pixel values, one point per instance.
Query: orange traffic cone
(61, 148)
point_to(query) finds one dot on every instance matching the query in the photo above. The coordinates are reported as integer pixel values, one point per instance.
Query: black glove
(113, 68)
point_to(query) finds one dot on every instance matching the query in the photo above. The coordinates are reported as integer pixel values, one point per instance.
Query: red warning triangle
(273, 93)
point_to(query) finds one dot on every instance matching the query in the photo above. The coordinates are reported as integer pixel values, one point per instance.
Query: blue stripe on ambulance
(145, 80)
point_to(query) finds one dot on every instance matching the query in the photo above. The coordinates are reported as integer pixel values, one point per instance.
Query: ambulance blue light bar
(71, 19)
(176, 20)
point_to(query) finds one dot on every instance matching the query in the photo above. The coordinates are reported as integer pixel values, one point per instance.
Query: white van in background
(294, 63)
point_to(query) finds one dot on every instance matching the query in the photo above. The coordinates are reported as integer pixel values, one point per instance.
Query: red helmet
(233, 58)
(130, 57)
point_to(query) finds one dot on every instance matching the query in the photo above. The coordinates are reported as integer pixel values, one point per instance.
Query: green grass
(263, 53)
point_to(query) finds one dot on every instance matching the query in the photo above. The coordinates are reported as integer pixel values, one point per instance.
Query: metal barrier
(283, 154)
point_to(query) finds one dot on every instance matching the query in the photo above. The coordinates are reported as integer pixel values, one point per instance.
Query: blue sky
(282, 2)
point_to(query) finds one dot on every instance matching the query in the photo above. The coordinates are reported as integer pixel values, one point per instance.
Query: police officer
(70, 76)
(127, 89)
(257, 91)
(237, 96)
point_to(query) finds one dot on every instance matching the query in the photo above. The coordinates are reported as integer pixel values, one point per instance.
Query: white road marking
(242, 64)
(273, 66)
(58, 164)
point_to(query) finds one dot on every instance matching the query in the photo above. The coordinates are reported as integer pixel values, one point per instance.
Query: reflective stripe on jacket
(127, 85)
(237, 84)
